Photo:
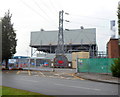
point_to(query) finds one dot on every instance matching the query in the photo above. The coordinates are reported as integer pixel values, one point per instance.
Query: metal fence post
(107, 65)
(35, 62)
(29, 64)
(77, 64)
(88, 65)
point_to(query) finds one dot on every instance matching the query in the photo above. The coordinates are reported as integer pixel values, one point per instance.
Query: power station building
(75, 40)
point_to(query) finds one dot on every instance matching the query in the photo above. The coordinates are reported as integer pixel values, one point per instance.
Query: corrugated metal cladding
(76, 36)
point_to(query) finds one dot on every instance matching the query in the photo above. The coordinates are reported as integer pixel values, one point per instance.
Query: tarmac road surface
(57, 86)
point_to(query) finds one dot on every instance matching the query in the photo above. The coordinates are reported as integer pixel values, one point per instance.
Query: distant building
(113, 49)
(75, 40)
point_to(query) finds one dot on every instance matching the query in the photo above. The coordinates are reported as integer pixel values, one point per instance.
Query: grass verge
(13, 92)
(0, 90)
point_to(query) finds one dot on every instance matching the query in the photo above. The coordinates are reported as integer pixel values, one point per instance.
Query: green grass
(7, 91)
(0, 90)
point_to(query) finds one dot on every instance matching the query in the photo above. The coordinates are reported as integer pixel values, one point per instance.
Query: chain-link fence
(97, 65)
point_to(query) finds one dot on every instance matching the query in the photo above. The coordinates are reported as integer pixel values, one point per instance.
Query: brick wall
(113, 48)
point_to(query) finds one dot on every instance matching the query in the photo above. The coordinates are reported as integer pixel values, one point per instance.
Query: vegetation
(0, 90)
(11, 92)
(115, 68)
(119, 22)
(118, 18)
(9, 41)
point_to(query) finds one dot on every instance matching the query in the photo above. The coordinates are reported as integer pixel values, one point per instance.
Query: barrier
(31, 63)
(97, 65)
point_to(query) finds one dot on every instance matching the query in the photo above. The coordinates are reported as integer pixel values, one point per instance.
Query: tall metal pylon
(60, 59)
(60, 46)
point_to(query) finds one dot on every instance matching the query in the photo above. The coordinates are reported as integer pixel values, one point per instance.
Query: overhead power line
(28, 6)
(46, 14)
(88, 24)
(36, 12)
(45, 5)
(53, 6)
(99, 18)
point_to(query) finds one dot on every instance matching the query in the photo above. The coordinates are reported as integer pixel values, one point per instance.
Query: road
(57, 86)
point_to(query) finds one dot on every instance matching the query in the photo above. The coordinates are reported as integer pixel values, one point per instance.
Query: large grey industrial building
(75, 40)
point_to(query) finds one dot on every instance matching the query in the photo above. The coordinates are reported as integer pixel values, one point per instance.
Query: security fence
(96, 65)
(30, 63)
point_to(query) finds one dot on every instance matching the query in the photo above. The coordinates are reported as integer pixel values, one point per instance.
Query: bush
(115, 68)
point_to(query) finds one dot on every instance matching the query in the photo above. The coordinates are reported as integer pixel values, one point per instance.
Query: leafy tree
(119, 25)
(115, 68)
(118, 18)
(9, 41)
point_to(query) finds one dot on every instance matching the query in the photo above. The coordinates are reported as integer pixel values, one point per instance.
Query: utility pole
(31, 51)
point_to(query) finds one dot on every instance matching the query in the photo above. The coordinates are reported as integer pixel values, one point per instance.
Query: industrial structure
(75, 40)
(60, 44)
(60, 59)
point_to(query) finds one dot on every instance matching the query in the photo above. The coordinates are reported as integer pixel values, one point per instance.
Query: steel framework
(60, 46)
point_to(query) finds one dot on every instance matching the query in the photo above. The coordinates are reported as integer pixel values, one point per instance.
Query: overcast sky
(32, 15)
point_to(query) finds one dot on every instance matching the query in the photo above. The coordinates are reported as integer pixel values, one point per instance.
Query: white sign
(12, 60)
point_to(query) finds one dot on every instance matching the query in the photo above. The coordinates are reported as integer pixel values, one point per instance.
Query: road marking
(57, 74)
(29, 73)
(78, 78)
(42, 74)
(53, 76)
(73, 75)
(18, 72)
(78, 87)
(67, 78)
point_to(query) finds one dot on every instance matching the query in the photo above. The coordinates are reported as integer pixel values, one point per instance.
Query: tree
(119, 25)
(118, 18)
(9, 41)
(115, 68)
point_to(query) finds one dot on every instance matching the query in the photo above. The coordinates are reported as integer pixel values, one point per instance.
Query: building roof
(75, 36)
